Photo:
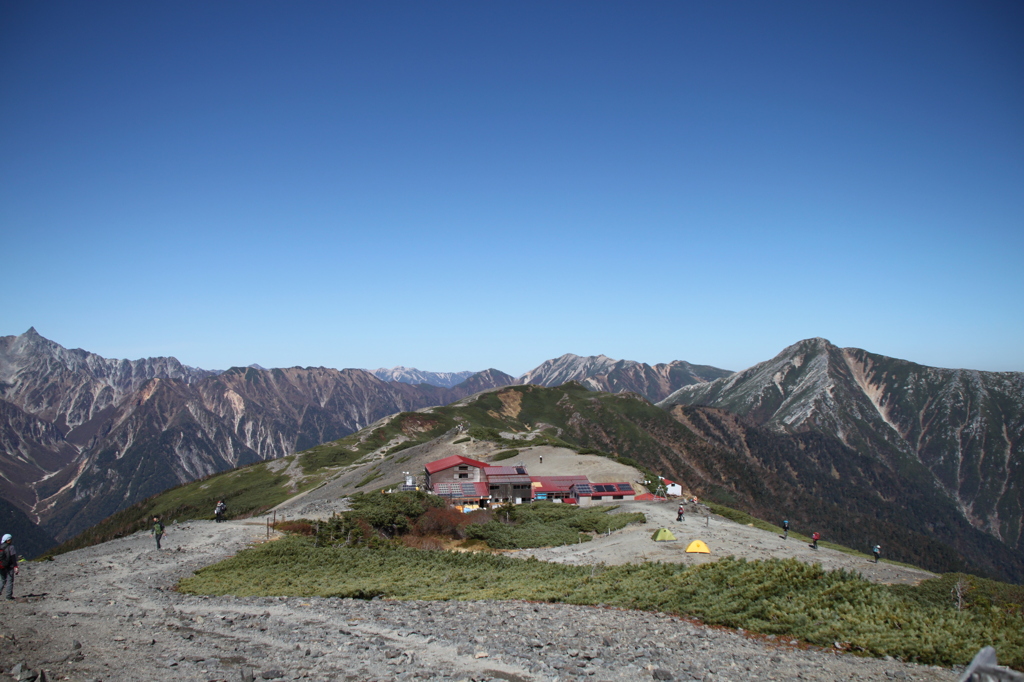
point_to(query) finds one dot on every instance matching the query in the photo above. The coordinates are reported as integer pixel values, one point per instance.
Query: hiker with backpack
(220, 510)
(785, 529)
(814, 540)
(681, 513)
(877, 551)
(158, 530)
(8, 566)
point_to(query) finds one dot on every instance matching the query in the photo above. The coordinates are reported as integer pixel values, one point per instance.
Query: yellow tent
(663, 535)
(698, 546)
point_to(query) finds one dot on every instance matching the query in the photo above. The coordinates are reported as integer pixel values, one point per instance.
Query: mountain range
(810, 478)
(852, 441)
(84, 436)
(957, 434)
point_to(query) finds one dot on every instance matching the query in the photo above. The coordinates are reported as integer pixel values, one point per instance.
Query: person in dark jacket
(785, 529)
(158, 530)
(8, 566)
(877, 551)
(220, 510)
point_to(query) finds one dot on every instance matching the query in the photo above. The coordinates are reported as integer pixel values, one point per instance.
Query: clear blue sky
(490, 184)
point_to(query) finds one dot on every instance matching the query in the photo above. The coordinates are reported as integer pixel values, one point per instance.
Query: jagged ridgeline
(816, 481)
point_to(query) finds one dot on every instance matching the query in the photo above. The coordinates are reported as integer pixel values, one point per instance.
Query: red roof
(561, 484)
(449, 462)
(491, 470)
(668, 482)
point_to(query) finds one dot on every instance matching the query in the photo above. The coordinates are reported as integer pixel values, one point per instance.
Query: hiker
(877, 551)
(220, 510)
(541, 458)
(681, 513)
(785, 529)
(8, 566)
(814, 540)
(158, 530)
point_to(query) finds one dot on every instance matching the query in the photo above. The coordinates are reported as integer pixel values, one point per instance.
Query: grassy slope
(621, 426)
(247, 491)
(770, 597)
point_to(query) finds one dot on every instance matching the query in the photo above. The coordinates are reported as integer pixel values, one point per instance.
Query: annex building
(473, 483)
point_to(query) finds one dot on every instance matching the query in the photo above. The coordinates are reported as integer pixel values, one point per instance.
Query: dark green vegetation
(934, 442)
(812, 479)
(546, 524)
(378, 517)
(246, 491)
(770, 597)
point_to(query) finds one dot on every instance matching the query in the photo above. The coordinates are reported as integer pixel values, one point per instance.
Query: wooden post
(268, 527)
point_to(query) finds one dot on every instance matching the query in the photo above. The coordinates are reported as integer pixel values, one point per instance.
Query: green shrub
(547, 524)
(461, 440)
(484, 433)
(504, 454)
(780, 597)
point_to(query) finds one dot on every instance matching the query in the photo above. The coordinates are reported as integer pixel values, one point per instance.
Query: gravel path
(109, 613)
(723, 537)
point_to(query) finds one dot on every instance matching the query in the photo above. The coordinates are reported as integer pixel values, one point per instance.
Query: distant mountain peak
(411, 375)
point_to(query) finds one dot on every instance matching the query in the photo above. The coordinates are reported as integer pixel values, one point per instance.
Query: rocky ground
(110, 613)
(723, 537)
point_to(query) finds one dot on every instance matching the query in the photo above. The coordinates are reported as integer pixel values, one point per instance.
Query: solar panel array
(608, 488)
(584, 489)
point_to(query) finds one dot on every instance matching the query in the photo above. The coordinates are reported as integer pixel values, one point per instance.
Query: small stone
(480, 654)
(245, 674)
(272, 674)
(76, 645)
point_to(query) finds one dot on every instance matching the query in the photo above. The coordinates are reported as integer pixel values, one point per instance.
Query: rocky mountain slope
(958, 432)
(84, 436)
(29, 539)
(814, 480)
(600, 373)
(411, 375)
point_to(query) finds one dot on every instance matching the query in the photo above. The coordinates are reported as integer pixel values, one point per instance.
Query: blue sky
(467, 185)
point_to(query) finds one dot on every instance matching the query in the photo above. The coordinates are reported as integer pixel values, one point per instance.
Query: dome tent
(699, 547)
(663, 535)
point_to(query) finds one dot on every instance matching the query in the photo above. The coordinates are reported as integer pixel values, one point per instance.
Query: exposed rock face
(600, 373)
(962, 431)
(29, 539)
(84, 436)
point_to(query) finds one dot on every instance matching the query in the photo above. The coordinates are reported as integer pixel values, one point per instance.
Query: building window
(494, 487)
(616, 497)
(463, 475)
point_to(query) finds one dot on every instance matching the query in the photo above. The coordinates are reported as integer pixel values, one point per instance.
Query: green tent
(663, 535)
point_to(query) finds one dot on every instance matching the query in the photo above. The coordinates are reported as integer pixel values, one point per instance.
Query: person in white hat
(8, 566)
